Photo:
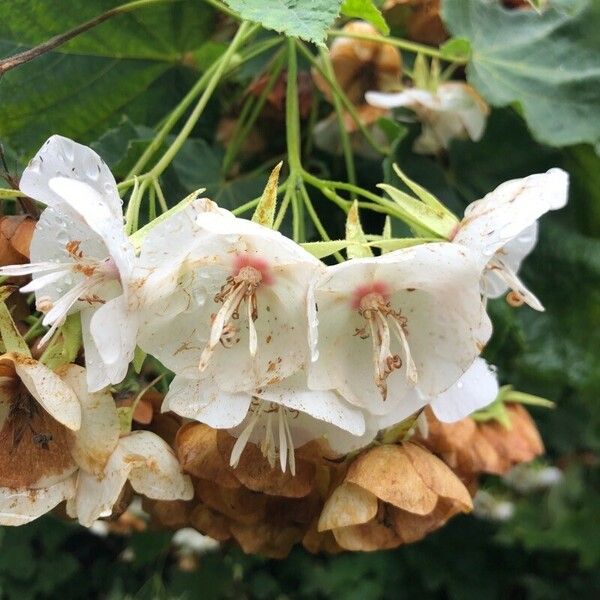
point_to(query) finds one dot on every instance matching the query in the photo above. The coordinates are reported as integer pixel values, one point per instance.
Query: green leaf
(306, 19)
(138, 359)
(198, 165)
(357, 242)
(323, 249)
(547, 64)
(457, 48)
(425, 196)
(96, 77)
(419, 216)
(265, 211)
(367, 11)
(13, 341)
(65, 344)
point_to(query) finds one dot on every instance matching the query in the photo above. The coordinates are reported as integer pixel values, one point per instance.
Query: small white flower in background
(489, 507)
(409, 320)
(190, 541)
(144, 459)
(81, 258)
(528, 477)
(237, 317)
(453, 111)
(278, 418)
(501, 230)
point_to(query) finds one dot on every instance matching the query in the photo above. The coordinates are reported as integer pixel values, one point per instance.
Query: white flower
(453, 111)
(501, 229)
(39, 415)
(489, 507)
(278, 418)
(528, 477)
(237, 312)
(144, 459)
(408, 320)
(81, 259)
(476, 389)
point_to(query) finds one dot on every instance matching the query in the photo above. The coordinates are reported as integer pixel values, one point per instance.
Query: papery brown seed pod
(16, 232)
(240, 505)
(199, 455)
(421, 18)
(392, 494)
(266, 539)
(210, 522)
(471, 447)
(168, 514)
(361, 65)
(255, 473)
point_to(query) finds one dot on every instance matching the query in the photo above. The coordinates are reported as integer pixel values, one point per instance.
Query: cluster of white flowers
(264, 339)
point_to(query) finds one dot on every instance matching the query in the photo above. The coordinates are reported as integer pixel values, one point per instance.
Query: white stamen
(510, 278)
(376, 310)
(411, 368)
(241, 442)
(44, 280)
(252, 337)
(282, 441)
(236, 289)
(277, 440)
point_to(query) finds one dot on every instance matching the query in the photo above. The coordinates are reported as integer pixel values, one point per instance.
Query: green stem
(11, 194)
(224, 9)
(398, 43)
(337, 90)
(253, 203)
(315, 219)
(245, 121)
(161, 197)
(345, 138)
(244, 30)
(186, 102)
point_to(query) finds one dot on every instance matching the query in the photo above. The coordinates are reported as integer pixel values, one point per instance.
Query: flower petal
(97, 438)
(56, 397)
(156, 472)
(62, 157)
(195, 399)
(20, 506)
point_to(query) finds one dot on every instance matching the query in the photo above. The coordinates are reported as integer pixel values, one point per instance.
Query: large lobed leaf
(78, 88)
(306, 19)
(547, 63)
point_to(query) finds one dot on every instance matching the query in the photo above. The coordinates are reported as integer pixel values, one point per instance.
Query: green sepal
(11, 337)
(265, 210)
(64, 345)
(355, 236)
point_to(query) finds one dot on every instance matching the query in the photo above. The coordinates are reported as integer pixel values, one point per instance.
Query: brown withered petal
(210, 523)
(15, 237)
(34, 448)
(361, 65)
(255, 473)
(272, 541)
(171, 514)
(316, 542)
(293, 511)
(462, 447)
(521, 442)
(378, 534)
(240, 505)
(388, 473)
(349, 504)
(411, 528)
(198, 454)
(437, 476)
(420, 17)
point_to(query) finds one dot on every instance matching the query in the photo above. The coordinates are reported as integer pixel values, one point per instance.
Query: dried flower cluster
(296, 384)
